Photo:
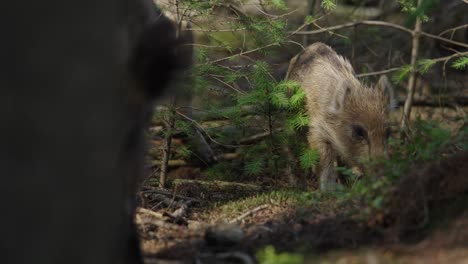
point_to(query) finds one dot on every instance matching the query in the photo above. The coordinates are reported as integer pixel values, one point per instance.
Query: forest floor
(243, 223)
(199, 220)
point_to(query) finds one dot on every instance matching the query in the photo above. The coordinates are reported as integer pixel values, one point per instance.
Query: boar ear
(339, 99)
(386, 87)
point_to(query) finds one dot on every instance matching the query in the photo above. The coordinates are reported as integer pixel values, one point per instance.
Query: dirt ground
(328, 241)
(323, 233)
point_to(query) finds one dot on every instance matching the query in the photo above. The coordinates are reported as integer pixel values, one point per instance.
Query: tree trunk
(170, 126)
(413, 73)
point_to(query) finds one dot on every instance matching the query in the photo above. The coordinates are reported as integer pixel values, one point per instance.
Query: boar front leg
(325, 169)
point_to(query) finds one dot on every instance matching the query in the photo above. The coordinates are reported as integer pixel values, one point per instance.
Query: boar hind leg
(325, 169)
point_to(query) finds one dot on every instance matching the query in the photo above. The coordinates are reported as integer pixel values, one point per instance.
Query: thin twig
(453, 29)
(242, 53)
(297, 43)
(215, 30)
(329, 31)
(307, 24)
(440, 102)
(227, 84)
(378, 72)
(257, 137)
(275, 16)
(198, 126)
(286, 14)
(447, 58)
(352, 24)
(444, 59)
(383, 24)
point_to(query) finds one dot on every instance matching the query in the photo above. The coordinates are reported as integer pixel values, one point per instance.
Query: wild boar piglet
(349, 121)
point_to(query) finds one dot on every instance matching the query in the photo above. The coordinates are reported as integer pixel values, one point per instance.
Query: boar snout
(378, 147)
(378, 153)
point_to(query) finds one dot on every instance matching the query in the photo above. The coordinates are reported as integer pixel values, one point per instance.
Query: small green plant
(254, 166)
(268, 255)
(309, 159)
(281, 108)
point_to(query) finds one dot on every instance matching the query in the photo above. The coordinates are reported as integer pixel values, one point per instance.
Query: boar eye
(359, 133)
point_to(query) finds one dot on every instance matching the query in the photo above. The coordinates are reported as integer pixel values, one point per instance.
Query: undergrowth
(428, 142)
(369, 196)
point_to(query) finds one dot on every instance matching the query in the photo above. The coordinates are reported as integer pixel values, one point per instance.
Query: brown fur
(337, 105)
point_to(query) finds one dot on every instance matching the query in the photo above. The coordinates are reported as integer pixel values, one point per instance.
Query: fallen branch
(141, 210)
(168, 193)
(159, 223)
(248, 213)
(227, 156)
(168, 202)
(179, 212)
(176, 217)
